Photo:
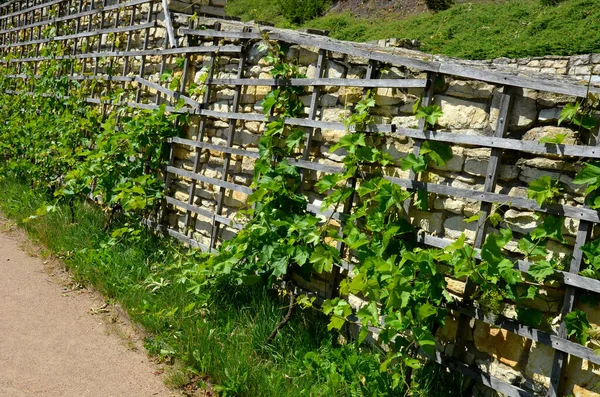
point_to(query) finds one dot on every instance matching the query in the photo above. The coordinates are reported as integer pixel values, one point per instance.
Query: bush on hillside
(551, 2)
(440, 5)
(300, 11)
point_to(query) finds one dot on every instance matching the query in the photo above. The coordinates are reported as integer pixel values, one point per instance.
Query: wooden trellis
(22, 25)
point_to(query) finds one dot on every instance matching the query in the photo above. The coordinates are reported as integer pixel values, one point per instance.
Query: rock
(529, 174)
(549, 99)
(256, 53)
(508, 172)
(335, 70)
(448, 332)
(461, 114)
(539, 363)
(389, 96)
(476, 166)
(455, 164)
(582, 378)
(405, 121)
(536, 134)
(307, 55)
(505, 346)
(520, 221)
(350, 95)
(524, 110)
(450, 205)
(431, 222)
(470, 89)
(455, 226)
(456, 287)
(549, 115)
(546, 164)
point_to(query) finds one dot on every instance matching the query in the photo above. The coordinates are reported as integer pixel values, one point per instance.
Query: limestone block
(455, 164)
(336, 70)
(539, 363)
(431, 222)
(246, 138)
(470, 89)
(529, 174)
(508, 172)
(535, 134)
(505, 346)
(256, 53)
(461, 114)
(524, 110)
(449, 204)
(499, 370)
(396, 149)
(549, 99)
(456, 287)
(350, 95)
(307, 55)
(405, 121)
(520, 221)
(582, 378)
(448, 332)
(476, 166)
(551, 115)
(235, 199)
(455, 226)
(546, 164)
(329, 100)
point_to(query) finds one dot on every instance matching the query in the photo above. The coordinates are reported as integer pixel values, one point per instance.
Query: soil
(58, 339)
(380, 8)
(388, 9)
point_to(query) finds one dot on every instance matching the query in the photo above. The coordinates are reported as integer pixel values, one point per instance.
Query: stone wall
(470, 107)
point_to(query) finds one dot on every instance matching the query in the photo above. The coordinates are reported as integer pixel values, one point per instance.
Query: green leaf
(569, 112)
(556, 139)
(543, 189)
(323, 258)
(578, 325)
(414, 163)
(426, 310)
(540, 270)
(439, 152)
(431, 114)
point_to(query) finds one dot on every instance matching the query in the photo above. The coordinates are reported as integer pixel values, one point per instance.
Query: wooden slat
(470, 137)
(212, 181)
(201, 131)
(322, 82)
(541, 83)
(231, 129)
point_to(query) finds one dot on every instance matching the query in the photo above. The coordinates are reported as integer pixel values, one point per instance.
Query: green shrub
(300, 11)
(551, 2)
(439, 5)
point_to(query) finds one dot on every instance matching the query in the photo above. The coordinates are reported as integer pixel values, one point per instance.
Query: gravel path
(52, 340)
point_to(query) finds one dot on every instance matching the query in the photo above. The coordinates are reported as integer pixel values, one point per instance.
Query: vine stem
(286, 319)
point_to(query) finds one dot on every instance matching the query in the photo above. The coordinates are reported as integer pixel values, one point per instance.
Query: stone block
(524, 110)
(536, 134)
(455, 226)
(505, 346)
(431, 222)
(455, 164)
(520, 221)
(470, 89)
(461, 113)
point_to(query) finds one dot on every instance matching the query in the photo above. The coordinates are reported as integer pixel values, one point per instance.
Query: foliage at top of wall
(513, 28)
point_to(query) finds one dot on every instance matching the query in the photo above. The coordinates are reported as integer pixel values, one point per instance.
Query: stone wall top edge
(575, 69)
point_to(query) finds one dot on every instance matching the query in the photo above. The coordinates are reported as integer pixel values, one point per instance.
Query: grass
(514, 28)
(220, 342)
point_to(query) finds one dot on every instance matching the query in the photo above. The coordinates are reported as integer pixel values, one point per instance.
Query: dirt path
(53, 342)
